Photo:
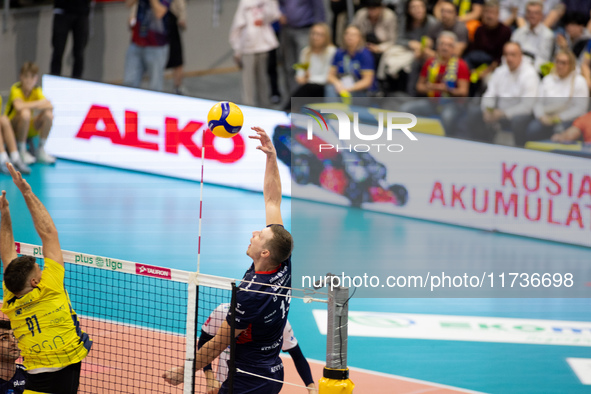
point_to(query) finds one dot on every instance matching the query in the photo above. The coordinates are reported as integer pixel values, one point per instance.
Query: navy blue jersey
(263, 316)
(16, 383)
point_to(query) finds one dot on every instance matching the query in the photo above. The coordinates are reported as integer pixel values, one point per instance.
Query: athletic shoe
(3, 168)
(26, 157)
(22, 167)
(43, 157)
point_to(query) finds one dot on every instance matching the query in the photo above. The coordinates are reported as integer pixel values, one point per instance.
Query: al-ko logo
(344, 130)
(100, 122)
(150, 270)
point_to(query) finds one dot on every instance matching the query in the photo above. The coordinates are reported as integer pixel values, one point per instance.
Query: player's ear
(265, 253)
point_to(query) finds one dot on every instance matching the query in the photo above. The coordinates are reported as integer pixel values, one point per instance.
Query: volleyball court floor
(154, 220)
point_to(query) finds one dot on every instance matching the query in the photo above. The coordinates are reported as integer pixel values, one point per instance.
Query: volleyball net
(145, 320)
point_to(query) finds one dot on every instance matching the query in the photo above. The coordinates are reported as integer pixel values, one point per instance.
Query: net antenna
(193, 302)
(336, 373)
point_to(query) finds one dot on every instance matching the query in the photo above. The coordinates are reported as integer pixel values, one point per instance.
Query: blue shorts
(248, 384)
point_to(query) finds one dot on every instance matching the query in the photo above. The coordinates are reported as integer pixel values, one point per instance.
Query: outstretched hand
(18, 180)
(3, 201)
(266, 144)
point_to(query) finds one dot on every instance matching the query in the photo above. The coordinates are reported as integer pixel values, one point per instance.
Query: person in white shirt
(508, 100)
(536, 40)
(315, 61)
(251, 38)
(563, 96)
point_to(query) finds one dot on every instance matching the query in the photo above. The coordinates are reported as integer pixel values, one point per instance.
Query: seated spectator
(30, 114)
(444, 75)
(8, 150)
(315, 62)
(575, 36)
(556, 17)
(535, 38)
(352, 70)
(521, 5)
(563, 96)
(508, 100)
(580, 130)
(407, 53)
(468, 10)
(378, 26)
(489, 40)
(449, 22)
(469, 13)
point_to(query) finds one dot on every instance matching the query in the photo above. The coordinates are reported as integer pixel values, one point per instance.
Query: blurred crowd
(529, 60)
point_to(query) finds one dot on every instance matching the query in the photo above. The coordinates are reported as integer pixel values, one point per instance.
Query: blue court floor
(154, 220)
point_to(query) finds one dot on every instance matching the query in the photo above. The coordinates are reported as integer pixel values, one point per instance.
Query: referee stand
(335, 378)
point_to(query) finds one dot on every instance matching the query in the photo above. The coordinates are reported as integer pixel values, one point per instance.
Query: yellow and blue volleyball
(225, 119)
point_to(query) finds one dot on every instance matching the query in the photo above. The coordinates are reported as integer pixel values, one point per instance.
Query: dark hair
(576, 18)
(453, 4)
(5, 324)
(281, 244)
(408, 25)
(17, 273)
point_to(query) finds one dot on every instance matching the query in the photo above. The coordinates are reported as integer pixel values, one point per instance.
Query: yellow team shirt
(16, 92)
(44, 323)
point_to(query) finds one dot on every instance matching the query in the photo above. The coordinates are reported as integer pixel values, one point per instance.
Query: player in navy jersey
(262, 299)
(12, 375)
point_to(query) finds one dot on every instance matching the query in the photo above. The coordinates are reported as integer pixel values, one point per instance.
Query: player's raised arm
(272, 183)
(7, 251)
(41, 218)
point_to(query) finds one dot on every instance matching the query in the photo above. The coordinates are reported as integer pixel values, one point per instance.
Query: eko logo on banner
(345, 126)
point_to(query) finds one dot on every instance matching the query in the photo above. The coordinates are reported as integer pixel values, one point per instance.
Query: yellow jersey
(16, 92)
(44, 323)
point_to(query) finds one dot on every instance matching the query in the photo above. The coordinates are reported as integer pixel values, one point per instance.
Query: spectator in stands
(148, 50)
(563, 96)
(30, 114)
(517, 9)
(177, 20)
(69, 15)
(449, 22)
(580, 130)
(378, 26)
(575, 36)
(535, 38)
(556, 16)
(469, 13)
(468, 10)
(315, 62)
(252, 37)
(444, 75)
(297, 16)
(489, 40)
(407, 54)
(508, 100)
(352, 70)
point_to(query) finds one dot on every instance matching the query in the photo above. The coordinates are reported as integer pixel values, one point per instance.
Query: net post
(191, 337)
(336, 374)
(231, 361)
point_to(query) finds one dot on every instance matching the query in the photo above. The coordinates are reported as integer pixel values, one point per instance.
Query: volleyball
(225, 119)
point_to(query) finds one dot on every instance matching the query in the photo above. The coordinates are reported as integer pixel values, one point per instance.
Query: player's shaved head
(17, 273)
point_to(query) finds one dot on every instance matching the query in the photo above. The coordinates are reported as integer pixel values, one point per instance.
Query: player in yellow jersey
(30, 113)
(37, 304)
